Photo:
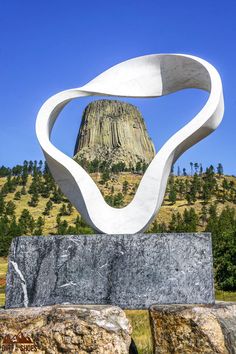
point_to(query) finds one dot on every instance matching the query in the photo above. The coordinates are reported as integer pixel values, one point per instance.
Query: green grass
(2, 298)
(225, 295)
(139, 319)
(3, 267)
(141, 334)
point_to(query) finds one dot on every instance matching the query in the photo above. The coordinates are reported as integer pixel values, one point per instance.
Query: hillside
(32, 204)
(119, 190)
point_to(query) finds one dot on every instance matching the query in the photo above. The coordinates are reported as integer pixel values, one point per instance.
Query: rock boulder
(192, 329)
(65, 329)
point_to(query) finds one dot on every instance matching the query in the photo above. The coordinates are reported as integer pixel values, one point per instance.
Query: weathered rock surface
(113, 131)
(188, 329)
(129, 271)
(65, 329)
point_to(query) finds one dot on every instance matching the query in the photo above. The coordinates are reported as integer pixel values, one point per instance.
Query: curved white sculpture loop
(147, 76)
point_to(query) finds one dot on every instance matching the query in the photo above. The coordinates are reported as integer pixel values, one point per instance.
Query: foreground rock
(115, 132)
(65, 329)
(185, 329)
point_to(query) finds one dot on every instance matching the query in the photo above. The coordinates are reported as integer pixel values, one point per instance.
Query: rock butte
(114, 131)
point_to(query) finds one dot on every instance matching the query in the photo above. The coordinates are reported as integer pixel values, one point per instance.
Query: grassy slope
(164, 215)
(3, 270)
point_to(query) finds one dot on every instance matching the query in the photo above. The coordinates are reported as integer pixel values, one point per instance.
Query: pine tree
(62, 227)
(48, 208)
(203, 215)
(200, 169)
(69, 208)
(224, 249)
(10, 208)
(17, 195)
(220, 169)
(190, 220)
(225, 184)
(24, 176)
(196, 167)
(212, 220)
(178, 171)
(158, 228)
(39, 226)
(105, 177)
(181, 188)
(125, 187)
(118, 200)
(172, 194)
(63, 210)
(57, 196)
(2, 204)
(23, 191)
(34, 200)
(191, 166)
(26, 222)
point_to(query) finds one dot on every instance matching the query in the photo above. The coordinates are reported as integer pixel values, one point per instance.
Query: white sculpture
(146, 76)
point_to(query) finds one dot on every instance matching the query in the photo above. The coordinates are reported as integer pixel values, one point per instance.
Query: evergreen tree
(105, 177)
(69, 208)
(190, 220)
(2, 204)
(144, 167)
(125, 187)
(138, 167)
(26, 222)
(158, 227)
(118, 200)
(181, 188)
(5, 235)
(17, 195)
(194, 188)
(10, 208)
(212, 220)
(225, 184)
(184, 172)
(62, 226)
(178, 171)
(220, 170)
(196, 167)
(48, 208)
(63, 210)
(23, 191)
(34, 200)
(24, 176)
(203, 215)
(39, 226)
(191, 167)
(223, 231)
(172, 194)
(57, 196)
(200, 169)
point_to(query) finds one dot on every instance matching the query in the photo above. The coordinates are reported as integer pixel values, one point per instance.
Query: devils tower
(113, 131)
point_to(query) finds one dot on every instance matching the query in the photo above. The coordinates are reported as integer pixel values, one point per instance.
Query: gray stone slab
(130, 271)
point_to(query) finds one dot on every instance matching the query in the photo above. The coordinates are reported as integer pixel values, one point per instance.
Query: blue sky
(48, 46)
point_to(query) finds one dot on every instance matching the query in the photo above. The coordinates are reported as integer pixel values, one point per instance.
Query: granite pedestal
(130, 271)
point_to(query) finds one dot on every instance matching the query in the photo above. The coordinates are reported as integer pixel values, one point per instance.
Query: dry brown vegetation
(116, 182)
